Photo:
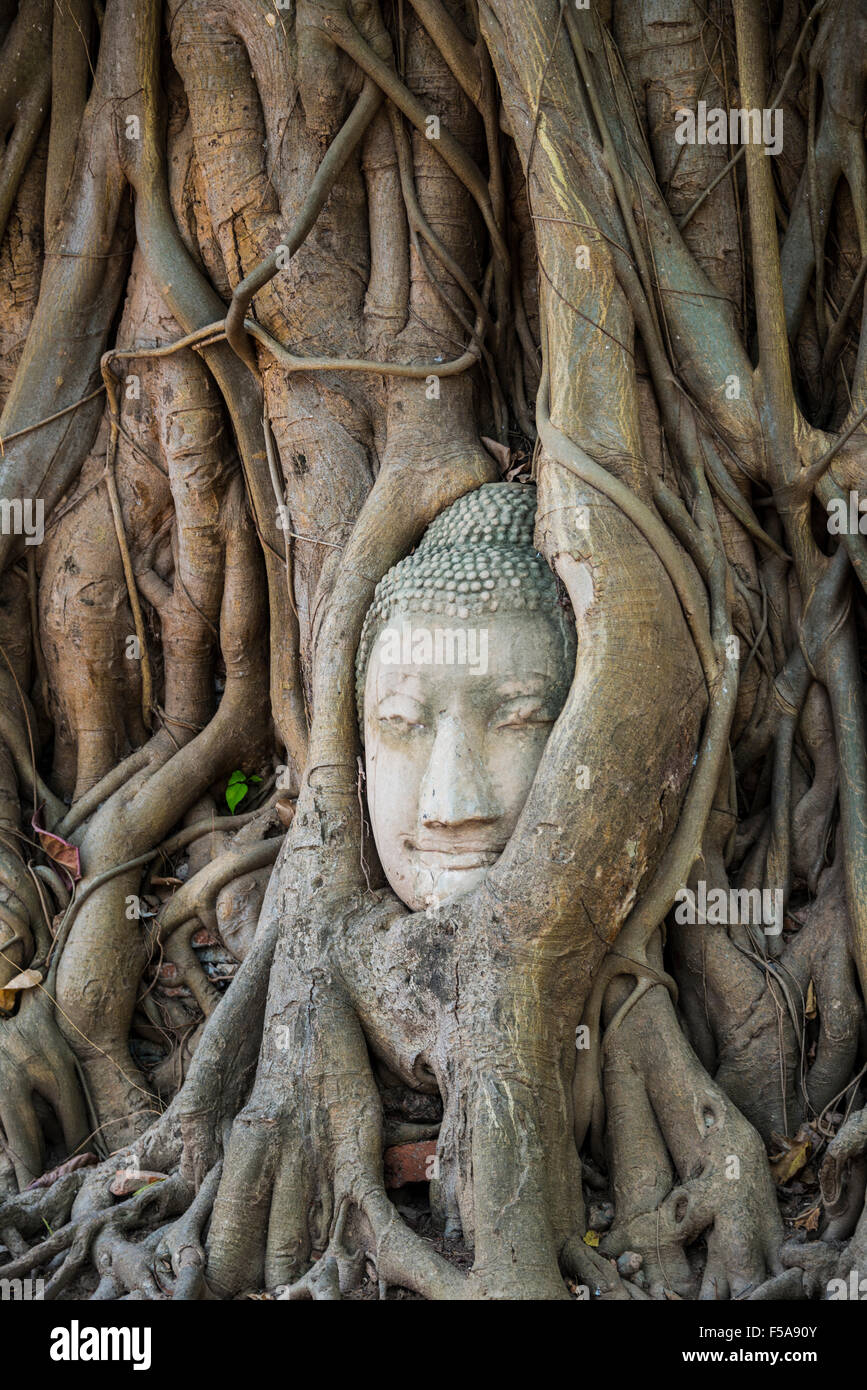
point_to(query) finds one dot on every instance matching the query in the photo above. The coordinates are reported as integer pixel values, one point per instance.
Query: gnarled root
(179, 1252)
(336, 1272)
(828, 1265)
(35, 1061)
(667, 1118)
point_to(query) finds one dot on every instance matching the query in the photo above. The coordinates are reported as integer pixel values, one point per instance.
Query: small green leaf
(254, 778)
(235, 793)
(237, 776)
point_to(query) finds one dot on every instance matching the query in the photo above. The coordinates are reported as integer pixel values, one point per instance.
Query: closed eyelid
(525, 706)
(535, 695)
(399, 703)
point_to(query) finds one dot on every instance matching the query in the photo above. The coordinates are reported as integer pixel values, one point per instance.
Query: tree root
(179, 1252)
(337, 1271)
(36, 1060)
(670, 1106)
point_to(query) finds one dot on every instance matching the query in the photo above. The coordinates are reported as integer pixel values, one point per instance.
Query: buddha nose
(456, 789)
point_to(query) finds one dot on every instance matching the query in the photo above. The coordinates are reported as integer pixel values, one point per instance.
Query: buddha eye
(522, 714)
(400, 714)
(399, 724)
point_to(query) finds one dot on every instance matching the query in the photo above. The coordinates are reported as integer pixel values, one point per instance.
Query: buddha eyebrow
(394, 676)
(525, 685)
(398, 695)
(397, 686)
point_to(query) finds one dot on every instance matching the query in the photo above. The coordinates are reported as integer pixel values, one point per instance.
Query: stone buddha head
(464, 663)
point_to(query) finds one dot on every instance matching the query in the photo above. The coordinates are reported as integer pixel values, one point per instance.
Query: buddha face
(456, 715)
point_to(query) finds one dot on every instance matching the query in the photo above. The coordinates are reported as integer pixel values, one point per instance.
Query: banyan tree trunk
(280, 285)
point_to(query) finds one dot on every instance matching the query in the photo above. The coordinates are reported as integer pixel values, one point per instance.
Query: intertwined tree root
(364, 240)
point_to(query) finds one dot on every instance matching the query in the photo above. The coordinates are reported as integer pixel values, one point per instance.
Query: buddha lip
(458, 859)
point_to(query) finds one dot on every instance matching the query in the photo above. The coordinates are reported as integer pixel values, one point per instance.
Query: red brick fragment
(404, 1163)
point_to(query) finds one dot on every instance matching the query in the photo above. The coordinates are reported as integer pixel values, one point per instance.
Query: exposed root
(35, 1060)
(179, 1251)
(664, 1104)
(337, 1271)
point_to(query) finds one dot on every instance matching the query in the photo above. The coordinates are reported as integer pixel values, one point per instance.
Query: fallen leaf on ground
(808, 1220)
(791, 1162)
(61, 852)
(127, 1181)
(28, 979)
(811, 1008)
(70, 1166)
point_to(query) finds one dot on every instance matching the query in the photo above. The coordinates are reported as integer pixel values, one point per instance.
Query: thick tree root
(35, 1060)
(337, 1271)
(667, 1116)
